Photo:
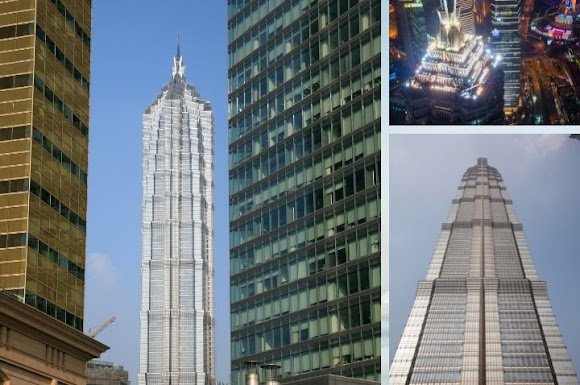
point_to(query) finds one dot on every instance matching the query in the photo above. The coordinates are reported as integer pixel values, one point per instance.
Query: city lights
(522, 48)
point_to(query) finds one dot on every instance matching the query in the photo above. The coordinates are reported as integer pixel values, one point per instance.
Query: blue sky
(541, 175)
(133, 43)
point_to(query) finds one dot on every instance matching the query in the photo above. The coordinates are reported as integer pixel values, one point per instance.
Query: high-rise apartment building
(505, 41)
(177, 316)
(44, 117)
(304, 185)
(482, 315)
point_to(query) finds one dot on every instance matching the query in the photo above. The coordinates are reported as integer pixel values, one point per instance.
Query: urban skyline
(482, 314)
(177, 316)
(534, 43)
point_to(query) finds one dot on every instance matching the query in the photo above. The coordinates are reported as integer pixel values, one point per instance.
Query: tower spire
(178, 66)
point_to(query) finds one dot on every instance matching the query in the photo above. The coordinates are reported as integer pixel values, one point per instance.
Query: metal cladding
(482, 315)
(177, 316)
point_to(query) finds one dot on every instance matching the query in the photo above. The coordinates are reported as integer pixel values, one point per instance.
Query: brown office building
(44, 117)
(36, 349)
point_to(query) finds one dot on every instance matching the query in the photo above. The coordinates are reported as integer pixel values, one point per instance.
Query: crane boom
(93, 333)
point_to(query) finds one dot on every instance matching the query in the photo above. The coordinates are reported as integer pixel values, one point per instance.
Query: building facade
(482, 315)
(330, 379)
(458, 81)
(37, 349)
(106, 373)
(44, 115)
(177, 315)
(467, 16)
(411, 17)
(505, 40)
(304, 173)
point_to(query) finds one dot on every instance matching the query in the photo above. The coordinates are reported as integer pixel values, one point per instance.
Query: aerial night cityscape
(460, 62)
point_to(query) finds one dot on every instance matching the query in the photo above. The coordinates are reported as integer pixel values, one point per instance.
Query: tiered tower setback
(482, 315)
(458, 81)
(177, 317)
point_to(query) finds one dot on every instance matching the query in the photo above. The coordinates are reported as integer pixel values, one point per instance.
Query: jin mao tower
(457, 81)
(482, 314)
(177, 317)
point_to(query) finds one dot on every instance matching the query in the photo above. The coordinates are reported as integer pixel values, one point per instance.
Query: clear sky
(133, 43)
(541, 175)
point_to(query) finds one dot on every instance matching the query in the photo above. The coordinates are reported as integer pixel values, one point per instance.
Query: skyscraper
(411, 16)
(482, 315)
(467, 17)
(177, 317)
(44, 102)
(458, 81)
(304, 147)
(505, 41)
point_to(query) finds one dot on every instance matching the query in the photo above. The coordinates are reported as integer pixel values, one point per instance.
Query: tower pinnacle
(178, 66)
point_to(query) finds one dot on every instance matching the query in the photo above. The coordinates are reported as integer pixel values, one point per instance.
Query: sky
(133, 44)
(541, 176)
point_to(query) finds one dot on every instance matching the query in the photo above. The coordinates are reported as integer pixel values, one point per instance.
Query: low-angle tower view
(304, 188)
(482, 314)
(177, 316)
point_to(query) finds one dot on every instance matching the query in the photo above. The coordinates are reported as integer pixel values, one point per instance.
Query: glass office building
(304, 186)
(44, 116)
(413, 30)
(482, 315)
(177, 316)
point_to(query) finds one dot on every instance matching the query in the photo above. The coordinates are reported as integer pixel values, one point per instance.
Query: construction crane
(93, 333)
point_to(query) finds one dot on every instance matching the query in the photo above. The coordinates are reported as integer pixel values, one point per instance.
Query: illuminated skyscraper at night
(177, 317)
(482, 315)
(44, 138)
(304, 179)
(466, 16)
(411, 16)
(458, 81)
(506, 42)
